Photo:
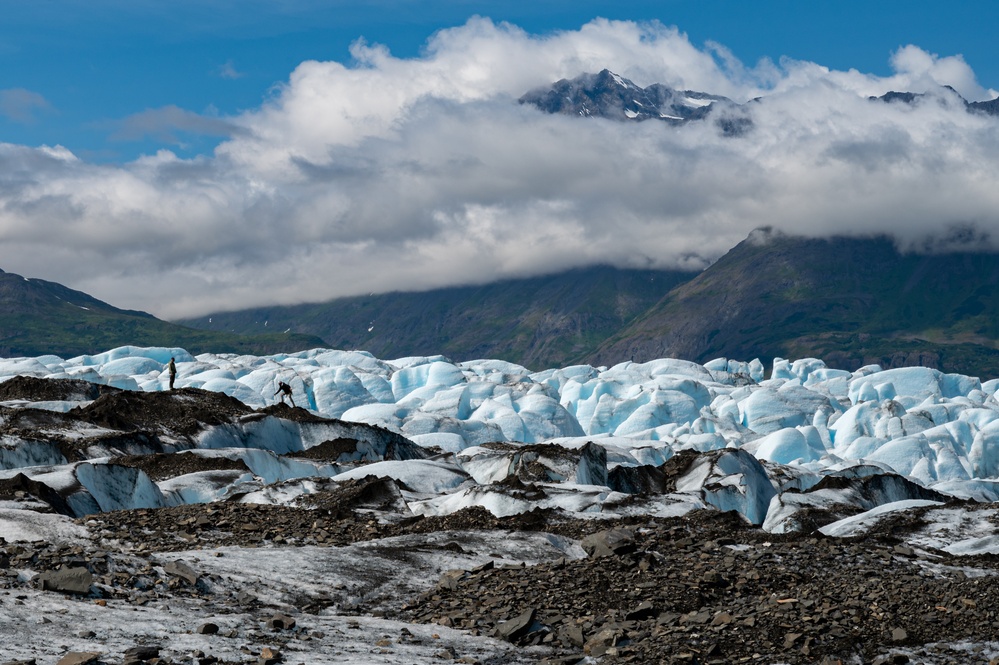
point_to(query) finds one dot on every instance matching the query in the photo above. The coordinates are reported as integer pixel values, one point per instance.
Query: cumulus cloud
(22, 105)
(389, 173)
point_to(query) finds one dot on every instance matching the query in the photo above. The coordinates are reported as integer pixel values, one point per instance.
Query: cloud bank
(404, 174)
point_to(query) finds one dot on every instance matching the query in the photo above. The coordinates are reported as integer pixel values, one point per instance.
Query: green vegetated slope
(850, 301)
(541, 322)
(39, 317)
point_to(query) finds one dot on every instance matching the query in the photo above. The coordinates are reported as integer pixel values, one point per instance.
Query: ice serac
(791, 445)
(730, 480)
(116, 487)
(586, 465)
(202, 486)
(914, 384)
(428, 477)
(645, 479)
(776, 405)
(17, 452)
(839, 495)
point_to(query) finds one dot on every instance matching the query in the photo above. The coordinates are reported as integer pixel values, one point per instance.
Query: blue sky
(91, 65)
(189, 157)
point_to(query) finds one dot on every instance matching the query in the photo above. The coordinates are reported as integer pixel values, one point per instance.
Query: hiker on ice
(285, 390)
(172, 368)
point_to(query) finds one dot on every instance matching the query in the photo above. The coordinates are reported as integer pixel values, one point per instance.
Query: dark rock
(34, 389)
(892, 659)
(280, 622)
(11, 487)
(610, 542)
(450, 579)
(517, 627)
(139, 655)
(644, 611)
(181, 570)
(79, 658)
(573, 635)
(67, 580)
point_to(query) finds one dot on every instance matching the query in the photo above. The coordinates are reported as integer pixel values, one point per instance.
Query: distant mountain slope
(990, 107)
(540, 322)
(39, 317)
(850, 301)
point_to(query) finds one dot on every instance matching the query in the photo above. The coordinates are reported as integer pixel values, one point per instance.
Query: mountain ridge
(543, 321)
(850, 301)
(610, 96)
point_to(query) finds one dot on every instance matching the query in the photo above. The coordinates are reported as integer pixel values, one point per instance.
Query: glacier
(764, 444)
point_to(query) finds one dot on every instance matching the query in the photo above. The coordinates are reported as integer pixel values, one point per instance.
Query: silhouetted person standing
(172, 368)
(285, 391)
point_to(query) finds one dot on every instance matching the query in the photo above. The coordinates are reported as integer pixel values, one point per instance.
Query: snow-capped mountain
(607, 95)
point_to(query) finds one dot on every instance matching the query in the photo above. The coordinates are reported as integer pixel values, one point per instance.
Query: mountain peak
(607, 77)
(763, 235)
(609, 95)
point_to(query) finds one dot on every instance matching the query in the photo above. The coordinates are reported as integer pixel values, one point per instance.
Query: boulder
(610, 542)
(68, 580)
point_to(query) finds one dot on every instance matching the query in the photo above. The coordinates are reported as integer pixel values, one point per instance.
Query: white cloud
(919, 70)
(393, 173)
(228, 70)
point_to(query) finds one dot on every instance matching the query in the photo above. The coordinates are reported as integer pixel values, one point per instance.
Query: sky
(189, 157)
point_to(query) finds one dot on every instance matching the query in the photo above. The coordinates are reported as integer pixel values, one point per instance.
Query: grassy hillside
(539, 322)
(850, 301)
(39, 317)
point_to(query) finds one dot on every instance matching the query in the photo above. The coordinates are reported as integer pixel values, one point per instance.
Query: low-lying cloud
(402, 174)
